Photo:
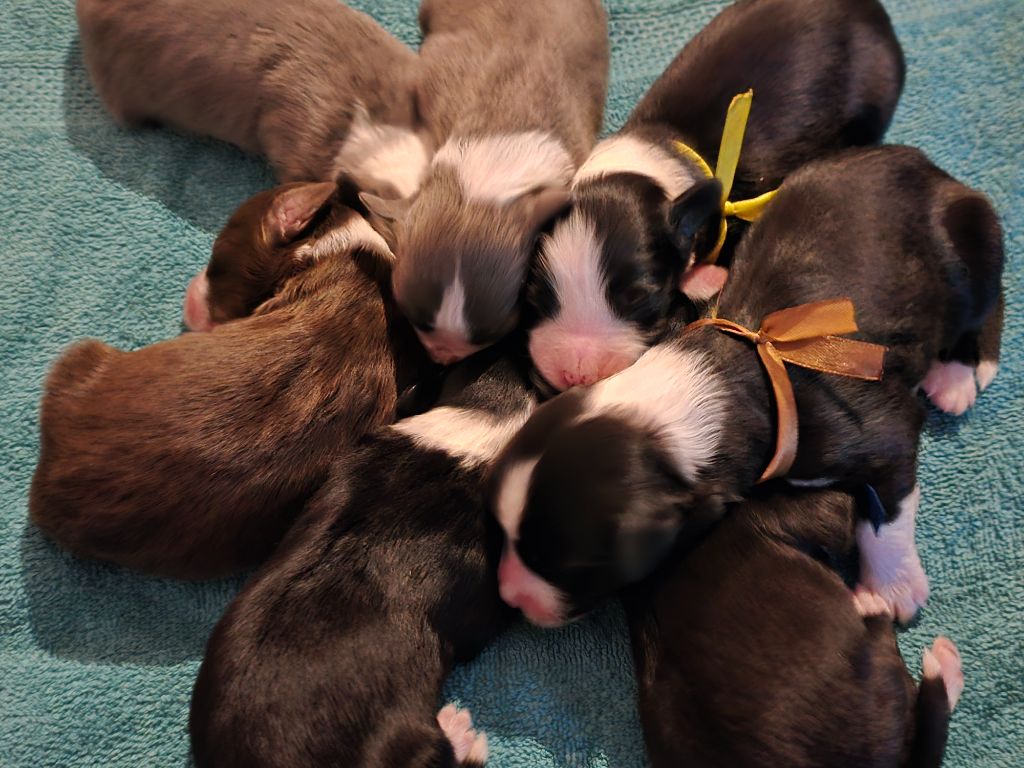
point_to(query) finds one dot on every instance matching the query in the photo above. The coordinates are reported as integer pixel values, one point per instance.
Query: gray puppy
(513, 94)
(317, 87)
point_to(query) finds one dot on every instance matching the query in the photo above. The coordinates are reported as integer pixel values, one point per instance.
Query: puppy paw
(943, 660)
(985, 373)
(903, 595)
(869, 604)
(950, 386)
(457, 724)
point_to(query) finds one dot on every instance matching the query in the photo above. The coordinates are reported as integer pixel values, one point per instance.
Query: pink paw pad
(951, 387)
(457, 725)
(943, 660)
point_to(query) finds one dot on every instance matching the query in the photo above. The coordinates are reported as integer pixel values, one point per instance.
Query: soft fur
(624, 469)
(751, 651)
(314, 85)
(512, 93)
(336, 651)
(191, 457)
(826, 75)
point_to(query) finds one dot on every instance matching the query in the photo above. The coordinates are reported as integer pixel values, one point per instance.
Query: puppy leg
(950, 386)
(942, 660)
(470, 747)
(890, 565)
(988, 347)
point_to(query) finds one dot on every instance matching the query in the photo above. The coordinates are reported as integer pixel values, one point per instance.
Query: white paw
(870, 604)
(943, 660)
(903, 593)
(951, 387)
(985, 373)
(457, 725)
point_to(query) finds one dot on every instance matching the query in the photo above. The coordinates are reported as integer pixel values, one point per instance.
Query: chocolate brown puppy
(191, 457)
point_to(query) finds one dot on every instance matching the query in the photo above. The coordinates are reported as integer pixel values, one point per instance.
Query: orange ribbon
(806, 335)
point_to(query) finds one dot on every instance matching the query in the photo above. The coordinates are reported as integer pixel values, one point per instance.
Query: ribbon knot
(808, 335)
(725, 169)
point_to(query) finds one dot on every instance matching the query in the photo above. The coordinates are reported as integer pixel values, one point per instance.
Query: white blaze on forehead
(451, 315)
(499, 169)
(387, 154)
(512, 492)
(676, 394)
(355, 232)
(626, 154)
(475, 437)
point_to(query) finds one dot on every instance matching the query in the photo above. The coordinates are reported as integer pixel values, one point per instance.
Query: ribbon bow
(806, 335)
(725, 170)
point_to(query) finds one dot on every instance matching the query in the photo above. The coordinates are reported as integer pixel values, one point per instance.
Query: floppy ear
(694, 212)
(384, 208)
(294, 207)
(545, 205)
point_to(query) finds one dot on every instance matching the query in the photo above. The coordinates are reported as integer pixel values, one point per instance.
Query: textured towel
(101, 229)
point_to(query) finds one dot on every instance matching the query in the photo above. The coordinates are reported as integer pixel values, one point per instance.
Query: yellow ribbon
(725, 170)
(808, 335)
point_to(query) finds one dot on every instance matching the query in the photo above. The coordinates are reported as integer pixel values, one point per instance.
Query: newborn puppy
(513, 92)
(750, 651)
(191, 457)
(315, 86)
(601, 482)
(336, 651)
(826, 74)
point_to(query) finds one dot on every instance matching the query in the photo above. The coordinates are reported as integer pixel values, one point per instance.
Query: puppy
(314, 85)
(513, 92)
(336, 651)
(191, 457)
(750, 651)
(601, 482)
(826, 74)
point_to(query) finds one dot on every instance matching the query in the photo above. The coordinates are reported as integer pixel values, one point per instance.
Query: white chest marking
(626, 154)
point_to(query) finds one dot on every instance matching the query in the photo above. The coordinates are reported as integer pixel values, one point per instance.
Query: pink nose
(521, 588)
(196, 310)
(445, 347)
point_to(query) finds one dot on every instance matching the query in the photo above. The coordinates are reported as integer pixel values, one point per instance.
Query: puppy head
(588, 504)
(608, 275)
(462, 262)
(254, 253)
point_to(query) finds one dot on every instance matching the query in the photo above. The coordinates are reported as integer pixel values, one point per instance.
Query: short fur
(336, 651)
(292, 81)
(921, 257)
(826, 75)
(191, 457)
(504, 82)
(750, 652)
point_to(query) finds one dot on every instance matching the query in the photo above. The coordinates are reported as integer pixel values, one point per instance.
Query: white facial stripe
(451, 317)
(355, 232)
(386, 154)
(475, 437)
(676, 394)
(511, 499)
(499, 169)
(626, 154)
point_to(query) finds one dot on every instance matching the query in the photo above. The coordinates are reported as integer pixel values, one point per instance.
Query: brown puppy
(191, 457)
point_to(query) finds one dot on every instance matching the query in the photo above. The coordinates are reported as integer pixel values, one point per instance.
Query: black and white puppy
(826, 75)
(513, 93)
(749, 651)
(602, 481)
(335, 652)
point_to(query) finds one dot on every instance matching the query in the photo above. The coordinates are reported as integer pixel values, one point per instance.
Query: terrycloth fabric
(100, 230)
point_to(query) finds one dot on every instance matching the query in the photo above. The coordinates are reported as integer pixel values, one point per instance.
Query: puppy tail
(942, 683)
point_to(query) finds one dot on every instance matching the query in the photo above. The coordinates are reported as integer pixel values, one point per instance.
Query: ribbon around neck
(807, 335)
(725, 170)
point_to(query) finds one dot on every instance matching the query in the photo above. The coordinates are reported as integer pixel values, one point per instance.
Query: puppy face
(607, 279)
(254, 253)
(588, 505)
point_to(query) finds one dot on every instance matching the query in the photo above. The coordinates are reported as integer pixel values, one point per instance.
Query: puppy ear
(545, 205)
(694, 212)
(391, 210)
(294, 207)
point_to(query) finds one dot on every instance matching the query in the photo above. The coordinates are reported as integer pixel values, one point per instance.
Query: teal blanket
(100, 231)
